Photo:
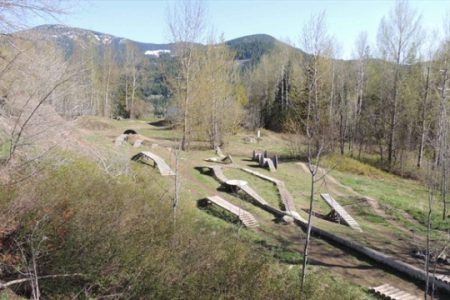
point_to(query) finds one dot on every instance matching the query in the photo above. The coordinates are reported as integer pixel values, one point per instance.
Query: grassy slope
(403, 201)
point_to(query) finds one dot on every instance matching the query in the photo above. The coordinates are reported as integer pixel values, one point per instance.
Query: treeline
(115, 84)
(390, 100)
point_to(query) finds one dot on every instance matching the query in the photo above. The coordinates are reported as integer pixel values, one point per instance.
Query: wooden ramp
(246, 218)
(223, 160)
(163, 167)
(286, 197)
(443, 278)
(288, 200)
(246, 189)
(341, 212)
(120, 139)
(389, 292)
(219, 152)
(252, 194)
(218, 174)
(273, 180)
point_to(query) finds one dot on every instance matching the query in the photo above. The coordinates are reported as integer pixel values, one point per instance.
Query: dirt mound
(93, 123)
(132, 138)
(161, 123)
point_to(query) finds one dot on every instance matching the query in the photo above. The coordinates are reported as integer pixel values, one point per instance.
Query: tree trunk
(423, 116)
(308, 235)
(133, 92)
(106, 108)
(427, 250)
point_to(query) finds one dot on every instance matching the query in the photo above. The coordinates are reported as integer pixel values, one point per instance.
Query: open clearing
(387, 208)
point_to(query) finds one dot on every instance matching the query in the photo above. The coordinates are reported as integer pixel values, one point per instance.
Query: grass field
(393, 219)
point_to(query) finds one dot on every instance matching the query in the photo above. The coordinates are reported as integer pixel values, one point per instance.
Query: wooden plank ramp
(223, 160)
(271, 179)
(392, 293)
(162, 166)
(246, 218)
(245, 188)
(443, 278)
(218, 174)
(253, 194)
(341, 212)
(286, 197)
(120, 139)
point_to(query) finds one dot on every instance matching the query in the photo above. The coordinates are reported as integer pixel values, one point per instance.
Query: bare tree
(22, 106)
(424, 106)
(15, 14)
(177, 185)
(362, 55)
(316, 42)
(398, 35)
(131, 76)
(186, 24)
(27, 90)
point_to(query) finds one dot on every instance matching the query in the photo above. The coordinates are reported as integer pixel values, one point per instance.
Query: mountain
(248, 48)
(252, 47)
(67, 37)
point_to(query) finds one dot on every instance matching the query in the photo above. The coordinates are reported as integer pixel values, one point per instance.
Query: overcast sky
(146, 20)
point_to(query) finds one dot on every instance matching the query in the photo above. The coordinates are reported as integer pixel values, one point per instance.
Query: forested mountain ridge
(68, 37)
(250, 47)
(253, 47)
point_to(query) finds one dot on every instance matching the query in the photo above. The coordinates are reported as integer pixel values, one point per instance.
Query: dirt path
(333, 184)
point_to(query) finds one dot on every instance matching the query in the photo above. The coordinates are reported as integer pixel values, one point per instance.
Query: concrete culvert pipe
(130, 131)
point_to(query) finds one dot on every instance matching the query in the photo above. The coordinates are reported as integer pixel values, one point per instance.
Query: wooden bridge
(162, 166)
(244, 216)
(392, 293)
(343, 214)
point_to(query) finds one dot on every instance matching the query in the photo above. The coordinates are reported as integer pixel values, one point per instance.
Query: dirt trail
(333, 184)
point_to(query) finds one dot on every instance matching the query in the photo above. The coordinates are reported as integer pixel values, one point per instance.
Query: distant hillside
(67, 37)
(252, 47)
(248, 48)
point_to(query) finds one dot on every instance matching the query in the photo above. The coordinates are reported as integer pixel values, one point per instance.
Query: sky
(146, 20)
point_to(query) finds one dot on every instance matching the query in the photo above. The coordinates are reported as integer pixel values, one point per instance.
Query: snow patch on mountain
(156, 53)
